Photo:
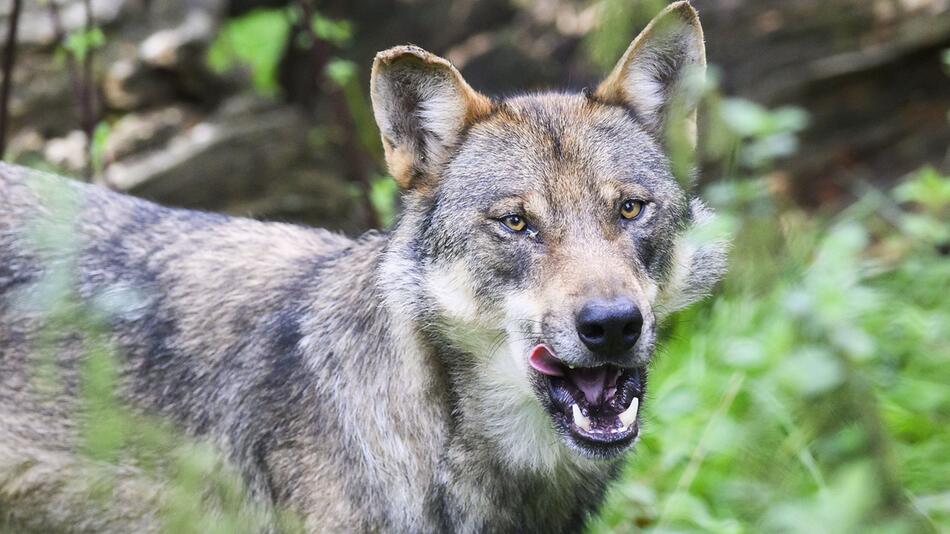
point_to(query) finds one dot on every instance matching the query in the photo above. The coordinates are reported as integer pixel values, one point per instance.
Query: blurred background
(811, 395)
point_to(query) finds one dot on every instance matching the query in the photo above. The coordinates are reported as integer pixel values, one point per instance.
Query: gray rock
(36, 28)
(68, 153)
(128, 84)
(137, 132)
(215, 161)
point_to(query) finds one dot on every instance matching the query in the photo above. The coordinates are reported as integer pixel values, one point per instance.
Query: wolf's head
(544, 236)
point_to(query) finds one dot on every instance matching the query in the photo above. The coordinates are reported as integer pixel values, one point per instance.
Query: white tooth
(629, 415)
(579, 418)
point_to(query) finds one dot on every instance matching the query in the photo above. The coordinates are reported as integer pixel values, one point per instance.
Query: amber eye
(515, 223)
(631, 209)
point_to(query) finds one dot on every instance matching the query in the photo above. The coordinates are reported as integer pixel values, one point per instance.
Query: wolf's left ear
(650, 75)
(422, 104)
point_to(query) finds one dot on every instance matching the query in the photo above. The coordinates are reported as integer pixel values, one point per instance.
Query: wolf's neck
(505, 468)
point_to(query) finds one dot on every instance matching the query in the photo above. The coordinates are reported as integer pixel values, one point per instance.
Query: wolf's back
(188, 301)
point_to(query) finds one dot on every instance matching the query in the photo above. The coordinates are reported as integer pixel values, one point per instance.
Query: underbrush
(811, 393)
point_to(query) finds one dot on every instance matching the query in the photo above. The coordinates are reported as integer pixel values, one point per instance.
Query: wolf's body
(272, 340)
(376, 384)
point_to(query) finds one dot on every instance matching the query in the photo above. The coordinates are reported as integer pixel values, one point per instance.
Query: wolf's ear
(650, 75)
(421, 104)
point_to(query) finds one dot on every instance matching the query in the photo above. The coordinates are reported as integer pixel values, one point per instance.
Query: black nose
(609, 328)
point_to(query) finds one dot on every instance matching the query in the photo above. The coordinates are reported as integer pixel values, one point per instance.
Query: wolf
(481, 367)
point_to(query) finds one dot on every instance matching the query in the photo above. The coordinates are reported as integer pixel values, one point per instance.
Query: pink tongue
(543, 360)
(591, 382)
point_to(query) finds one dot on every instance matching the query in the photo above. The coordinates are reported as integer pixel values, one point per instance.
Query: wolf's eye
(515, 223)
(631, 209)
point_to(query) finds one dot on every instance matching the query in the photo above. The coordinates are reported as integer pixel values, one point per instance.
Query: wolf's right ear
(650, 76)
(421, 104)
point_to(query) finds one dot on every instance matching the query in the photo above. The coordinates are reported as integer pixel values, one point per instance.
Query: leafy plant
(255, 41)
(81, 43)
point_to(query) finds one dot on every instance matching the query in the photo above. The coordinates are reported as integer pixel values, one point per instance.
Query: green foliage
(343, 73)
(619, 20)
(82, 42)
(382, 195)
(338, 32)
(255, 41)
(99, 137)
(382, 191)
(770, 135)
(928, 188)
(810, 394)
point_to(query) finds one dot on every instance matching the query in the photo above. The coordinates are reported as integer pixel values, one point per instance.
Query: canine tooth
(629, 415)
(579, 418)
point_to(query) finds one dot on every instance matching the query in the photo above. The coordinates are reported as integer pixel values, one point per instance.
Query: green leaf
(338, 32)
(255, 41)
(382, 195)
(341, 71)
(99, 138)
(811, 371)
(927, 187)
(82, 42)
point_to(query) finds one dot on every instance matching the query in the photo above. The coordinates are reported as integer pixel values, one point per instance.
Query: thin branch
(357, 168)
(83, 81)
(59, 37)
(76, 79)
(9, 57)
(88, 109)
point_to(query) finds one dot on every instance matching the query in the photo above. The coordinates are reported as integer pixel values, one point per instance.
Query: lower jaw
(605, 441)
(596, 443)
(596, 437)
(597, 450)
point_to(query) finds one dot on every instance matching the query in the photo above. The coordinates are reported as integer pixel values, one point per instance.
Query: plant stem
(88, 103)
(75, 80)
(59, 36)
(354, 157)
(9, 57)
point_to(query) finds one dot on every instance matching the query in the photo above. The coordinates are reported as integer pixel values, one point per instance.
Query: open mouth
(598, 406)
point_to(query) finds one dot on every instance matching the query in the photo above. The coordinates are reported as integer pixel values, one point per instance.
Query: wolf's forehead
(560, 146)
